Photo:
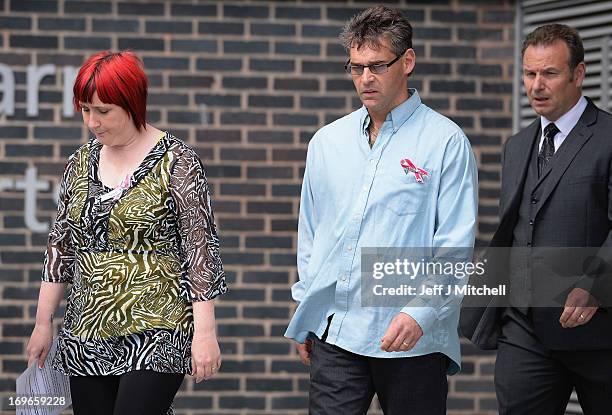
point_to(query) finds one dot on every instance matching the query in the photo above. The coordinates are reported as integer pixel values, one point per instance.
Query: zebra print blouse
(135, 262)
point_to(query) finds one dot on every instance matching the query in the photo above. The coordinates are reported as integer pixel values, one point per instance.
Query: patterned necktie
(548, 147)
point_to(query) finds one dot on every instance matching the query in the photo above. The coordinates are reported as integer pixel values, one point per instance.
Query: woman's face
(110, 123)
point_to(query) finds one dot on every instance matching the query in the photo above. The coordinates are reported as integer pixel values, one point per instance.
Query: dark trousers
(342, 382)
(141, 392)
(531, 379)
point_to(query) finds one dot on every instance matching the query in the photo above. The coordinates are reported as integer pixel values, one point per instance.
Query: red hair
(119, 79)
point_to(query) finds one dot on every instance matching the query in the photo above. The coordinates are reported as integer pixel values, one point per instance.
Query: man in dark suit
(556, 193)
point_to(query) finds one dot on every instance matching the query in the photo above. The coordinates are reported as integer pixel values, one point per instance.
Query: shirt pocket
(403, 195)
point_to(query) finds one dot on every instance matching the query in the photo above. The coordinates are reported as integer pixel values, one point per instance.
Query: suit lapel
(523, 152)
(572, 144)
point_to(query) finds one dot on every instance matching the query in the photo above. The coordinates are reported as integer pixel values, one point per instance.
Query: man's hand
(402, 334)
(304, 351)
(580, 306)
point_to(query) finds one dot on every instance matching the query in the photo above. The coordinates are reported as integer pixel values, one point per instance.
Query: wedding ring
(405, 344)
(581, 316)
(214, 368)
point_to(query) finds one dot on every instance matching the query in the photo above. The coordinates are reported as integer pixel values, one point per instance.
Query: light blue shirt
(354, 196)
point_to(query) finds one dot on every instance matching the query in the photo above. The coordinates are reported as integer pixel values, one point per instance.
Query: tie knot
(550, 130)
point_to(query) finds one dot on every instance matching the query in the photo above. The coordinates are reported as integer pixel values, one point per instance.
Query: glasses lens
(356, 69)
(378, 69)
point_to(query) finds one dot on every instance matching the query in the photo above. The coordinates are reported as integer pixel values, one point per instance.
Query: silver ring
(581, 316)
(405, 344)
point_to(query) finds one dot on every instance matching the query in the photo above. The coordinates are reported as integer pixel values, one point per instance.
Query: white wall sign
(34, 76)
(30, 185)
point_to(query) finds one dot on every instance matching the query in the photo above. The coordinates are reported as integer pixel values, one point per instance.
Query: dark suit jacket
(574, 210)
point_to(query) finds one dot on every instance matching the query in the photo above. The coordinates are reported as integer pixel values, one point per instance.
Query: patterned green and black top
(136, 262)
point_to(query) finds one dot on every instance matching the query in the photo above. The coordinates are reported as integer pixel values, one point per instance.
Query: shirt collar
(567, 121)
(398, 115)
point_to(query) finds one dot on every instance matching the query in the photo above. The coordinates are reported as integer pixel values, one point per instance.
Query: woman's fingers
(42, 357)
(205, 370)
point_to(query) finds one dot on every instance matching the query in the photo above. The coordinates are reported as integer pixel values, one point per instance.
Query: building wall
(246, 84)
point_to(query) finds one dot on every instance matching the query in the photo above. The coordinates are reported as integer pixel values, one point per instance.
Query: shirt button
(372, 161)
(534, 201)
(349, 248)
(531, 222)
(365, 188)
(343, 278)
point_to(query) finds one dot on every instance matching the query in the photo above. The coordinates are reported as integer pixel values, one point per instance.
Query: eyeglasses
(376, 68)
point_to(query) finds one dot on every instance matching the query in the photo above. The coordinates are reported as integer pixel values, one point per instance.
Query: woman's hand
(49, 298)
(205, 356)
(40, 343)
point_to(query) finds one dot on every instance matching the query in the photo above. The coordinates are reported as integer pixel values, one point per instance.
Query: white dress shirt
(565, 123)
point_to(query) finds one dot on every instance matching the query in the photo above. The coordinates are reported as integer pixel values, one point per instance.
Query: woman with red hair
(136, 240)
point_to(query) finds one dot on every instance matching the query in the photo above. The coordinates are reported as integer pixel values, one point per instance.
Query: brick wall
(246, 84)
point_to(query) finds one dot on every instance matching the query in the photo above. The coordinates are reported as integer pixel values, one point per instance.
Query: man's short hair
(550, 33)
(368, 27)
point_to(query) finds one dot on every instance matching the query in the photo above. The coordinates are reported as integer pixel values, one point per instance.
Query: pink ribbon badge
(125, 183)
(409, 167)
(116, 193)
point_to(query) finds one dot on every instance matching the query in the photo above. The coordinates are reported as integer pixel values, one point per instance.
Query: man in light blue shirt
(394, 173)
